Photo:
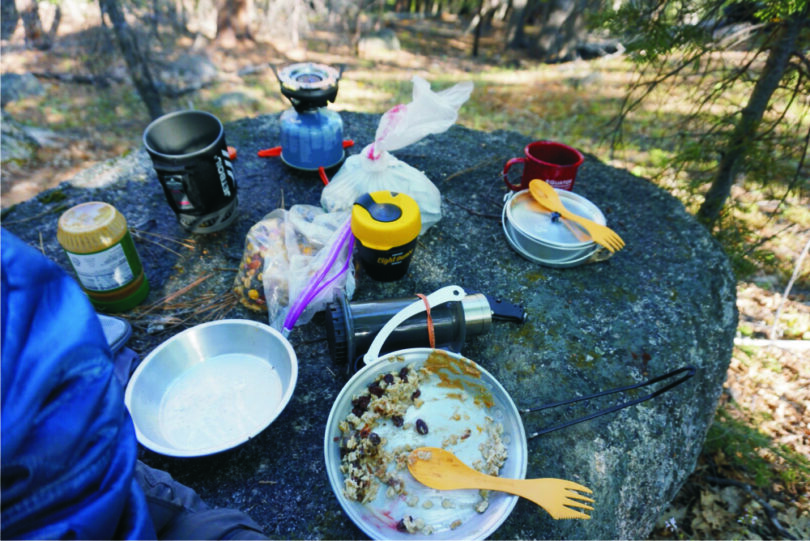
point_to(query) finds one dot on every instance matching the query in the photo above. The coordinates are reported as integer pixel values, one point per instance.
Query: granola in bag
(267, 254)
(282, 252)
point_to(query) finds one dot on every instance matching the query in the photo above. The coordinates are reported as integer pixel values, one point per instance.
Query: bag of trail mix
(282, 252)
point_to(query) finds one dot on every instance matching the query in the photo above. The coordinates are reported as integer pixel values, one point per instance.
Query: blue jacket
(68, 445)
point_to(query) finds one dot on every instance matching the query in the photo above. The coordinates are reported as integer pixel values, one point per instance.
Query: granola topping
(387, 422)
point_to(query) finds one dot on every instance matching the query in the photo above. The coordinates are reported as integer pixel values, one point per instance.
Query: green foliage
(743, 247)
(53, 196)
(655, 29)
(674, 47)
(749, 450)
(780, 9)
(6, 212)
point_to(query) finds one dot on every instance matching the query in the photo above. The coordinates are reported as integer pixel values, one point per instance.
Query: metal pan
(458, 397)
(533, 233)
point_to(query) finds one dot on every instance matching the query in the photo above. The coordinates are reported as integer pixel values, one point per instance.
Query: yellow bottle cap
(90, 227)
(384, 220)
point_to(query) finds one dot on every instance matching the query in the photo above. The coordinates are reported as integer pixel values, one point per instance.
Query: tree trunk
(479, 22)
(136, 63)
(8, 19)
(482, 21)
(745, 130)
(515, 31)
(232, 21)
(35, 34)
(563, 25)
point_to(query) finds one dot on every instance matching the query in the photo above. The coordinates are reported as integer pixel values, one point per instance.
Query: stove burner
(308, 78)
(309, 85)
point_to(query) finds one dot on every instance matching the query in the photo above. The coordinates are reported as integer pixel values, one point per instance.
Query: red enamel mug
(555, 163)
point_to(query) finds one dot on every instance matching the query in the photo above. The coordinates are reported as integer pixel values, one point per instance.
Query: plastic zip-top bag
(294, 262)
(375, 168)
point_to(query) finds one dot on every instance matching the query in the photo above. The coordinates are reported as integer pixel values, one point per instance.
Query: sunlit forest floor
(753, 477)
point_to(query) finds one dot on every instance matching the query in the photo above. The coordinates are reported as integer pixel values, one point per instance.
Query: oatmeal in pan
(388, 421)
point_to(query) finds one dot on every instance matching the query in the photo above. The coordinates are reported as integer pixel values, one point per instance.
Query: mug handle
(506, 167)
(440, 296)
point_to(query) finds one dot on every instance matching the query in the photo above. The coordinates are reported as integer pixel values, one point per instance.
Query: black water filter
(352, 326)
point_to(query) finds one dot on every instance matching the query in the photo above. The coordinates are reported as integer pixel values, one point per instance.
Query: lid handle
(506, 311)
(441, 296)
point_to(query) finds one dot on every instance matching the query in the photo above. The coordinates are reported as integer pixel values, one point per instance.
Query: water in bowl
(220, 401)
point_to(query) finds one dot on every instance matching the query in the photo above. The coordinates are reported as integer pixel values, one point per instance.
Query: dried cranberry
(421, 427)
(416, 394)
(403, 374)
(361, 402)
(375, 389)
(397, 420)
(389, 378)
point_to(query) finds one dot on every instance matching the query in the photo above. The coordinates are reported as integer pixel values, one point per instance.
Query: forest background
(709, 99)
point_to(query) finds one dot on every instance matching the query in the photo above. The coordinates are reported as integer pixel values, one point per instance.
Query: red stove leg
(322, 173)
(270, 152)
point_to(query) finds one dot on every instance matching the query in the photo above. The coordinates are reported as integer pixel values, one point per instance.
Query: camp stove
(311, 134)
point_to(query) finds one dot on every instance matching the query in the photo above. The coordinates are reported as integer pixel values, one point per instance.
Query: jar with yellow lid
(385, 225)
(96, 239)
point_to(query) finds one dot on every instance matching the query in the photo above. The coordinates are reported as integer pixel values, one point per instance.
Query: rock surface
(17, 86)
(665, 301)
(383, 42)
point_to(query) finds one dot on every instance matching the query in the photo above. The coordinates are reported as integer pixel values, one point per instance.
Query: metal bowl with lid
(542, 237)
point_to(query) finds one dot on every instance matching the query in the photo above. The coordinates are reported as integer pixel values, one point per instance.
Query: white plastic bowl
(211, 387)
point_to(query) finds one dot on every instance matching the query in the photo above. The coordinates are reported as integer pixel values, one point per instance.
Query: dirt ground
(768, 384)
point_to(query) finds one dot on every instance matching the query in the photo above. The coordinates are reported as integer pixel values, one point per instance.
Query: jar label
(102, 271)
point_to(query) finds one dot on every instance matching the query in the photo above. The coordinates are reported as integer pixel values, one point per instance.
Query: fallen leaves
(753, 476)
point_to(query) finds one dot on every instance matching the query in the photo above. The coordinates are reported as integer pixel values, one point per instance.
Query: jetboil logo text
(225, 170)
(394, 258)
